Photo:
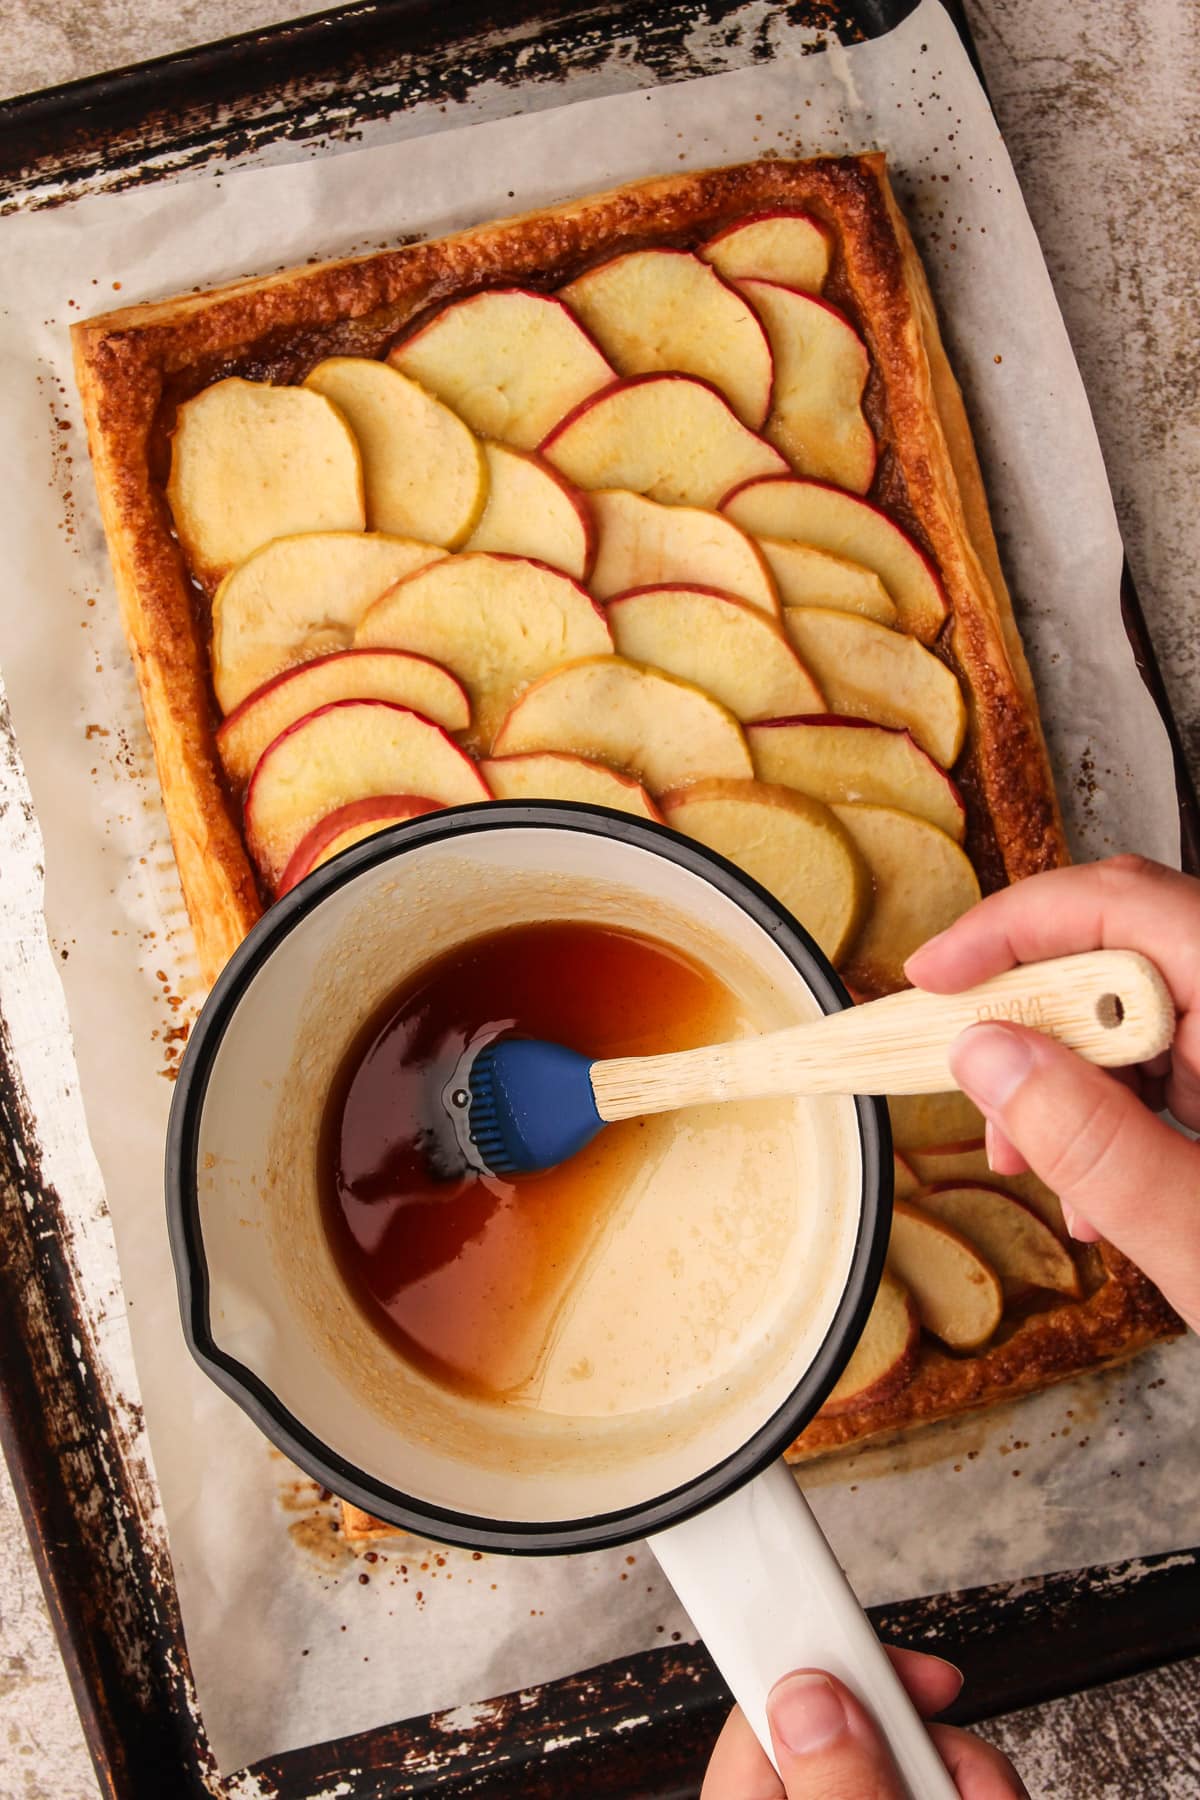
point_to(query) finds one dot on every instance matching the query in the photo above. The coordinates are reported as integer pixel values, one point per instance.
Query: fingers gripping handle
(767, 1595)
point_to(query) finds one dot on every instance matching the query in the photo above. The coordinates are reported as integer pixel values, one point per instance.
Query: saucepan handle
(767, 1595)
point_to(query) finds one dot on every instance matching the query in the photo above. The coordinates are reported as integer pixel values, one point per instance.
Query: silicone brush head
(531, 1106)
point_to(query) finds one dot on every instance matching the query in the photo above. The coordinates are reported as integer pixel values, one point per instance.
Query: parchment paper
(291, 1639)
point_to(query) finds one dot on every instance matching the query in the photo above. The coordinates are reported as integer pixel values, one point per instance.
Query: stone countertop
(1100, 105)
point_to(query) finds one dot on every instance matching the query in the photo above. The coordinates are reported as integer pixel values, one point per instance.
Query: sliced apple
(298, 598)
(499, 622)
(347, 825)
(923, 882)
(352, 750)
(821, 369)
(958, 1293)
(955, 1167)
(881, 675)
(670, 436)
(789, 247)
(532, 511)
(642, 543)
(731, 650)
(251, 462)
(665, 309)
(650, 725)
(395, 675)
(424, 471)
(905, 1185)
(510, 362)
(834, 758)
(1020, 1247)
(812, 512)
(550, 775)
(886, 1353)
(792, 845)
(920, 1121)
(806, 577)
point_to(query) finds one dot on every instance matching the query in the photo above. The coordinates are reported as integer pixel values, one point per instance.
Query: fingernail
(807, 1713)
(989, 1144)
(918, 954)
(990, 1063)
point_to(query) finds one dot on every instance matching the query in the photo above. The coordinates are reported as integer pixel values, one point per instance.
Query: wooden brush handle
(1112, 1006)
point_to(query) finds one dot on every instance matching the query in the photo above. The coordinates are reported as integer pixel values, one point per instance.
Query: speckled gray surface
(1100, 105)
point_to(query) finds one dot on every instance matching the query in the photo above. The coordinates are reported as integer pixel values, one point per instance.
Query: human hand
(1091, 1136)
(827, 1747)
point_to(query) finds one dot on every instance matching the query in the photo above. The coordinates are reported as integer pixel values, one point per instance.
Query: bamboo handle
(1111, 1006)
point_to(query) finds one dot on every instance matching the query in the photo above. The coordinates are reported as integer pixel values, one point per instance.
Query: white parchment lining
(289, 1644)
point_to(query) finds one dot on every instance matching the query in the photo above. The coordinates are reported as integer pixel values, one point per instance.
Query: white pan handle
(766, 1594)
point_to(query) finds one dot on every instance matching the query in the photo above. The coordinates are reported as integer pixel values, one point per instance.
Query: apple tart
(666, 500)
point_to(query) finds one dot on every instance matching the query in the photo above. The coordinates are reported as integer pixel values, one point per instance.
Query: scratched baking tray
(643, 1726)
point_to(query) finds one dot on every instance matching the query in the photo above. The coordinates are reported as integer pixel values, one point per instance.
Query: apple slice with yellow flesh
(886, 1353)
(957, 1167)
(821, 369)
(251, 462)
(298, 598)
(806, 577)
(424, 471)
(905, 1185)
(642, 544)
(532, 511)
(665, 732)
(351, 750)
(921, 1121)
(394, 675)
(1020, 1247)
(827, 518)
(347, 825)
(499, 622)
(509, 362)
(957, 1292)
(731, 650)
(551, 775)
(922, 882)
(789, 247)
(838, 759)
(792, 845)
(669, 436)
(666, 309)
(872, 673)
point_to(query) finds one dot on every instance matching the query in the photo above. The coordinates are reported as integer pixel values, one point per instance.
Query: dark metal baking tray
(638, 1727)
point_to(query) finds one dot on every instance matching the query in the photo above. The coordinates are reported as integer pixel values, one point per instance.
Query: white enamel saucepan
(697, 1468)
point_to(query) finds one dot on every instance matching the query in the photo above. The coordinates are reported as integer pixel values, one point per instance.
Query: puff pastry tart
(665, 498)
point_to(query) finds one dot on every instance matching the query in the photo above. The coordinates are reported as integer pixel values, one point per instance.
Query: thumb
(1097, 1146)
(826, 1745)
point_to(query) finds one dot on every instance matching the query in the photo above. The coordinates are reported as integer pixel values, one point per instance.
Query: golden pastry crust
(137, 365)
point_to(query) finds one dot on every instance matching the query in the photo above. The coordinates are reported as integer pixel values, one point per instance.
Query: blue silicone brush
(518, 1105)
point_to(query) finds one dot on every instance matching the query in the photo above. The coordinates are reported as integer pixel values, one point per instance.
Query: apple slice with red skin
(351, 750)
(882, 676)
(807, 577)
(922, 1121)
(531, 511)
(821, 369)
(958, 1167)
(509, 361)
(731, 650)
(786, 246)
(642, 544)
(905, 1185)
(835, 758)
(553, 775)
(672, 437)
(827, 518)
(1018, 1244)
(499, 622)
(791, 844)
(885, 1355)
(957, 1292)
(665, 309)
(347, 825)
(394, 675)
(665, 732)
(923, 882)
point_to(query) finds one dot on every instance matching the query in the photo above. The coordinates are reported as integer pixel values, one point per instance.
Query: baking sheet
(320, 1651)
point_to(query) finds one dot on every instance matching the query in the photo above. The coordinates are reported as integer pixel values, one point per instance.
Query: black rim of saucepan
(281, 1426)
